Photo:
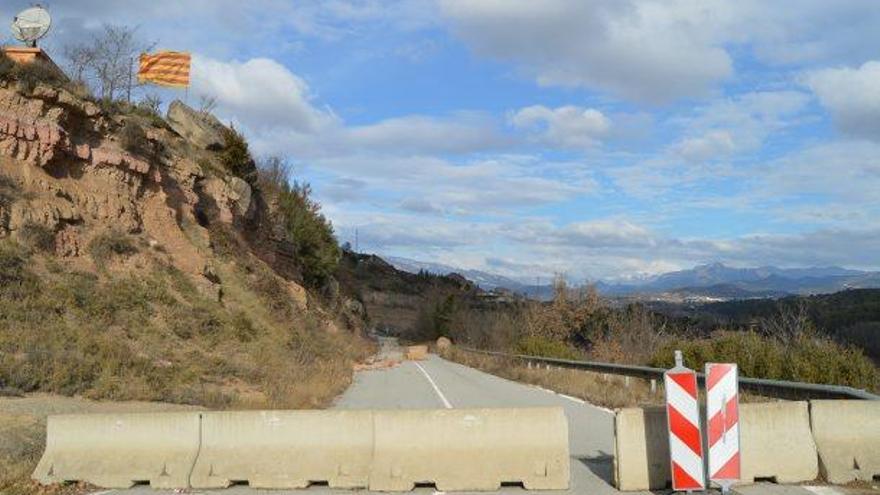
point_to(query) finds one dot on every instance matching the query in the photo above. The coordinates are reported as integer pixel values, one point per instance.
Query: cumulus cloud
(846, 172)
(260, 93)
(567, 126)
(660, 50)
(738, 124)
(852, 95)
(646, 51)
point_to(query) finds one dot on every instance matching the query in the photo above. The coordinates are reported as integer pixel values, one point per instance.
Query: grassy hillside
(136, 264)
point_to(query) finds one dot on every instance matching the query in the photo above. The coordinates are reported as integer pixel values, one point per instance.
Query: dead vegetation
(153, 335)
(118, 283)
(596, 388)
(601, 389)
(23, 435)
(578, 324)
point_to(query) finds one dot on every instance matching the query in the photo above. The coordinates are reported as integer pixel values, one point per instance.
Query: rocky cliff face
(66, 166)
(137, 263)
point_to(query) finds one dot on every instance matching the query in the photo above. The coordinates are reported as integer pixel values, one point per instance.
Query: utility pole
(356, 245)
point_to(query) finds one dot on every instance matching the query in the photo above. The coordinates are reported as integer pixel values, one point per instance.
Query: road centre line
(443, 399)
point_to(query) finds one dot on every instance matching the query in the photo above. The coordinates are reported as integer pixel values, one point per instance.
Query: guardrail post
(653, 386)
(626, 381)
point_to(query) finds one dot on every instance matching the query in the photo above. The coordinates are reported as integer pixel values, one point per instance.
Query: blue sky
(601, 139)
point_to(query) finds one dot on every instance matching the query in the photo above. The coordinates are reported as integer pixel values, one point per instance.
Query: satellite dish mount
(31, 24)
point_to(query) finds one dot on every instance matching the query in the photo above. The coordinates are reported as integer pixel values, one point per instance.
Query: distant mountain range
(485, 280)
(719, 280)
(714, 281)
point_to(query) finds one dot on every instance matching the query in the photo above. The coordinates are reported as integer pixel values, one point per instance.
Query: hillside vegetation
(145, 258)
(578, 324)
(850, 316)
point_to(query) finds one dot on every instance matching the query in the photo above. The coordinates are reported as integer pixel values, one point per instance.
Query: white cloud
(711, 145)
(852, 96)
(465, 131)
(646, 51)
(567, 126)
(260, 93)
(494, 185)
(841, 171)
(728, 126)
(660, 50)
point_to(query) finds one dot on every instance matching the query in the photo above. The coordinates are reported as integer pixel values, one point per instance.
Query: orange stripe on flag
(165, 68)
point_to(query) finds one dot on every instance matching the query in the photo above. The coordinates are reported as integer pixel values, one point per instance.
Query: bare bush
(789, 322)
(108, 60)
(207, 104)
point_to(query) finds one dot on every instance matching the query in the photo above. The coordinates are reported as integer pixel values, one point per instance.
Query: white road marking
(573, 399)
(568, 397)
(436, 388)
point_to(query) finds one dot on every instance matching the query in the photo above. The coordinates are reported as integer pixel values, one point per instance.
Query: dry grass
(23, 434)
(596, 388)
(150, 334)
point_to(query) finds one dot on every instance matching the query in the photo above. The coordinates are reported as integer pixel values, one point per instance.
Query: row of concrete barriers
(786, 442)
(455, 449)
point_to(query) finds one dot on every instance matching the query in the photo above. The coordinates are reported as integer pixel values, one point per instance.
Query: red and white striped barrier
(685, 439)
(722, 409)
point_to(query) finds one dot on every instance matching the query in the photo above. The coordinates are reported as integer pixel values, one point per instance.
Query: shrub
(37, 237)
(133, 138)
(6, 66)
(12, 262)
(804, 358)
(436, 317)
(109, 244)
(315, 246)
(29, 75)
(8, 191)
(236, 157)
(536, 345)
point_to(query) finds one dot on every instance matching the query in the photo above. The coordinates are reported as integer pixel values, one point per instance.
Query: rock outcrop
(75, 177)
(201, 129)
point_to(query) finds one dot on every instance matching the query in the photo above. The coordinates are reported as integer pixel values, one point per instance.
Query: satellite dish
(31, 24)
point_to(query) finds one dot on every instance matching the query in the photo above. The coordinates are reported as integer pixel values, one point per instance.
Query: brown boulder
(443, 344)
(200, 128)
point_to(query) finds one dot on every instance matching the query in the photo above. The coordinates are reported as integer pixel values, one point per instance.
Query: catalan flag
(165, 69)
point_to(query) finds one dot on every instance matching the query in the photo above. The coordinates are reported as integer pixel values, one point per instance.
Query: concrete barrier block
(775, 444)
(285, 449)
(470, 449)
(120, 450)
(641, 449)
(847, 434)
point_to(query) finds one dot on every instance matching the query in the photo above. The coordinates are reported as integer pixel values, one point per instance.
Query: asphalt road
(437, 383)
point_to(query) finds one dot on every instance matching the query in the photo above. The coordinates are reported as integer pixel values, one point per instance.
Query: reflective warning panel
(685, 440)
(722, 411)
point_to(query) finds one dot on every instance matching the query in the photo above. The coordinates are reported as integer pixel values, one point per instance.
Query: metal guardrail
(770, 388)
